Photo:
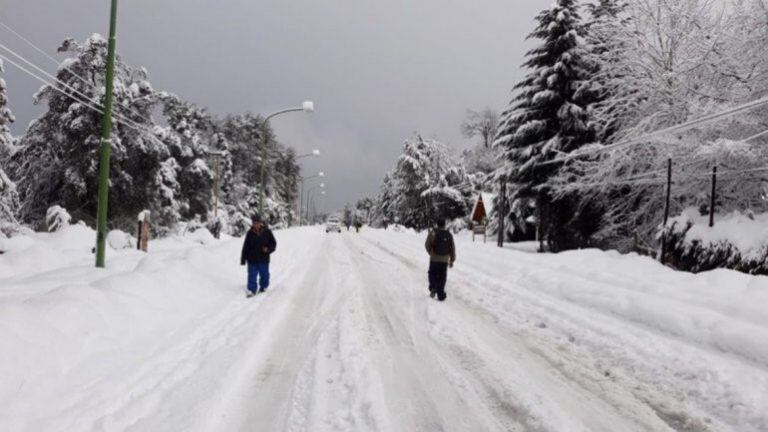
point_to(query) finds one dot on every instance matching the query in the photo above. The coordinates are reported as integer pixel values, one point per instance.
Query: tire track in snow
(425, 391)
(597, 407)
(136, 399)
(264, 386)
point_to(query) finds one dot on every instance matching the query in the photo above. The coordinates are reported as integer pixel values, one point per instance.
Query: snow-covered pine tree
(364, 209)
(196, 132)
(426, 184)
(57, 160)
(385, 212)
(285, 179)
(9, 199)
(346, 216)
(546, 120)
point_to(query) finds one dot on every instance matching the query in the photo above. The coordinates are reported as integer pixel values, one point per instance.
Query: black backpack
(442, 244)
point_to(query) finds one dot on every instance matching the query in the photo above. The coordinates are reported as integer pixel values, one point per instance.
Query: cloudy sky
(378, 70)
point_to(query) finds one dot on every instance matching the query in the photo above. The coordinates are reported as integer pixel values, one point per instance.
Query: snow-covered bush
(56, 218)
(119, 240)
(737, 241)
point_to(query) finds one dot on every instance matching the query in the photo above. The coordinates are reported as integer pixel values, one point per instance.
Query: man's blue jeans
(260, 272)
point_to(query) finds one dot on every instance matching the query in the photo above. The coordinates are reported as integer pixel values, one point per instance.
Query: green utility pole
(106, 130)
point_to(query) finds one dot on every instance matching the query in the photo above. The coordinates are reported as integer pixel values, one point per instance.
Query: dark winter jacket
(430, 246)
(258, 246)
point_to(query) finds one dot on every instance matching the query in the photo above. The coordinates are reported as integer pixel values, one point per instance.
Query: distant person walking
(258, 246)
(442, 254)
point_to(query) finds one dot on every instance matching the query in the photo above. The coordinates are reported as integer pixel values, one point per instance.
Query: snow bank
(736, 241)
(62, 321)
(748, 234)
(118, 240)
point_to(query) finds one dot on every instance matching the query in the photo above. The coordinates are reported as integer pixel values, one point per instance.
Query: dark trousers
(438, 275)
(258, 277)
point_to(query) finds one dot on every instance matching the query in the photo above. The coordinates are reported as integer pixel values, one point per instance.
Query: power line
(54, 61)
(58, 81)
(137, 128)
(672, 129)
(41, 51)
(756, 136)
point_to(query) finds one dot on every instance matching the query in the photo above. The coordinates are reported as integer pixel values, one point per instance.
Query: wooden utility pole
(663, 254)
(712, 197)
(502, 211)
(143, 237)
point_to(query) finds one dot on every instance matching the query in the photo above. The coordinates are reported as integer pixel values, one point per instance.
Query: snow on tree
(678, 61)
(57, 160)
(9, 198)
(57, 218)
(426, 184)
(195, 133)
(546, 119)
(347, 214)
(246, 137)
(383, 212)
(364, 210)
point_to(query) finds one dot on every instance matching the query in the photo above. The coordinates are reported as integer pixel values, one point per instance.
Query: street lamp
(314, 152)
(301, 193)
(311, 196)
(307, 107)
(322, 203)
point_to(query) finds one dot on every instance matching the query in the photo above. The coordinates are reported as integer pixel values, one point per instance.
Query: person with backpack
(258, 246)
(442, 254)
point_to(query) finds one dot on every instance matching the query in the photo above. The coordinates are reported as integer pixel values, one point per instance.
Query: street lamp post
(301, 193)
(314, 153)
(311, 196)
(308, 107)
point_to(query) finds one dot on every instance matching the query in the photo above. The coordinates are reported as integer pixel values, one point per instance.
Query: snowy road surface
(348, 340)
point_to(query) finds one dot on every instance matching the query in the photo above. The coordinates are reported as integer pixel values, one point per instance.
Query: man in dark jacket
(442, 254)
(259, 244)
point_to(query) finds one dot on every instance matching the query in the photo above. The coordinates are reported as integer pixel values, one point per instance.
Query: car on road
(332, 224)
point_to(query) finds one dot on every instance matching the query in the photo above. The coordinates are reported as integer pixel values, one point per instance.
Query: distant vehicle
(332, 224)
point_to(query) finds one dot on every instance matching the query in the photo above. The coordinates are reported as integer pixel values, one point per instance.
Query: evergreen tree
(546, 119)
(166, 169)
(426, 183)
(385, 212)
(9, 199)
(57, 161)
(195, 134)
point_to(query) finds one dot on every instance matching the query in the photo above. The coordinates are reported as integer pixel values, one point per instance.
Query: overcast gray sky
(377, 70)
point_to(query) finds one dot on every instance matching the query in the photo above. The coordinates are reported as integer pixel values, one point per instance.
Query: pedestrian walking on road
(258, 246)
(442, 254)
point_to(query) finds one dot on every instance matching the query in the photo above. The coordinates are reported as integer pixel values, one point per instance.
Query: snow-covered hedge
(737, 241)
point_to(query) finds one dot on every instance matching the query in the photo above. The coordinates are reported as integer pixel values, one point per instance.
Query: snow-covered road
(347, 339)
